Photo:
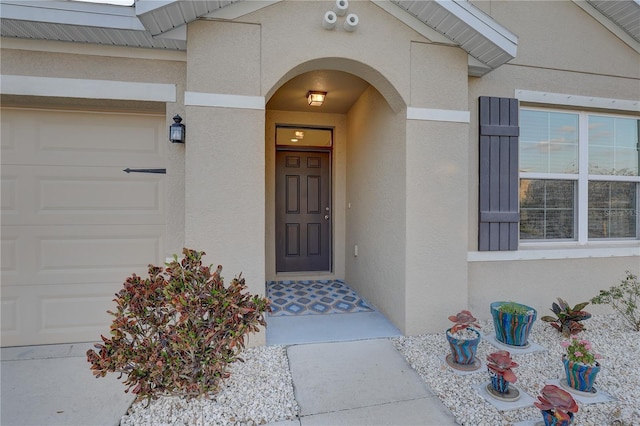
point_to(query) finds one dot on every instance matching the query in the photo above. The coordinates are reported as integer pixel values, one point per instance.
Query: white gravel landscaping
(611, 337)
(260, 390)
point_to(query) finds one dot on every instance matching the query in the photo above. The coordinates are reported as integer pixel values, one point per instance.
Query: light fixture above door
(315, 98)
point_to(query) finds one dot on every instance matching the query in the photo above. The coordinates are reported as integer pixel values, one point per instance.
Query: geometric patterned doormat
(313, 297)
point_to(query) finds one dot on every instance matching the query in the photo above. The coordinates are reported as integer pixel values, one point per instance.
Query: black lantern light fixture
(177, 130)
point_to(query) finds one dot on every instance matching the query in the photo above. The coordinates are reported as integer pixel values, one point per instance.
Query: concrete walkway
(53, 385)
(363, 382)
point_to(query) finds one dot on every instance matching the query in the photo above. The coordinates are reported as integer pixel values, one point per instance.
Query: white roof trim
(483, 24)
(72, 13)
(608, 24)
(241, 8)
(545, 254)
(224, 100)
(577, 101)
(412, 22)
(468, 27)
(430, 114)
(91, 89)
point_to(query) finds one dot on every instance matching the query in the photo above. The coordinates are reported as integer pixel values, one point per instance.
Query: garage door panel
(9, 315)
(44, 137)
(74, 224)
(8, 191)
(45, 314)
(80, 254)
(9, 254)
(48, 195)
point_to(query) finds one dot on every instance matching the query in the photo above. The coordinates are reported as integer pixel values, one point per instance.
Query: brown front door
(303, 211)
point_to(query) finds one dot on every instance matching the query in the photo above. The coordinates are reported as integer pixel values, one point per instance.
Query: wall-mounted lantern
(177, 130)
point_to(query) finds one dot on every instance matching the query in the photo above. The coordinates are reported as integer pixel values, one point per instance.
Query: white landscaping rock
(611, 337)
(259, 391)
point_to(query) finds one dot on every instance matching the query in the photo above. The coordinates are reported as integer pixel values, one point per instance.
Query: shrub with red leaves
(176, 332)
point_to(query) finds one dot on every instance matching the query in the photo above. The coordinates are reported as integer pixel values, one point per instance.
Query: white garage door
(74, 225)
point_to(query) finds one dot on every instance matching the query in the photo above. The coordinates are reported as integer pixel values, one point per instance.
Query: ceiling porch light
(315, 98)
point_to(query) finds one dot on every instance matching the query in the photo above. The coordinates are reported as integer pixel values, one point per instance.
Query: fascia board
(240, 8)
(146, 6)
(178, 33)
(413, 22)
(483, 24)
(477, 68)
(71, 13)
(609, 24)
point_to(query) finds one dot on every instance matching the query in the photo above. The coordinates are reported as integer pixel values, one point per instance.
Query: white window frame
(582, 178)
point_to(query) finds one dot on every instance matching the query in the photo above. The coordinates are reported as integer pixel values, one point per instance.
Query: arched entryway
(364, 160)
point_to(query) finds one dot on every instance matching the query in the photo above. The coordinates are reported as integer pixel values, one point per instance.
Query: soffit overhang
(80, 23)
(481, 36)
(160, 24)
(624, 13)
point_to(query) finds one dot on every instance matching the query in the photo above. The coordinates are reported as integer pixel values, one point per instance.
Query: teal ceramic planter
(463, 351)
(580, 376)
(512, 329)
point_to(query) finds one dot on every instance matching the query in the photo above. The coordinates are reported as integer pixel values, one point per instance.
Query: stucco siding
(224, 190)
(375, 204)
(87, 66)
(436, 206)
(292, 35)
(438, 77)
(224, 58)
(560, 35)
(538, 283)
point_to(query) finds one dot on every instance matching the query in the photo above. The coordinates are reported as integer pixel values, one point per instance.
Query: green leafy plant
(568, 318)
(624, 299)
(513, 308)
(177, 331)
(580, 350)
(558, 402)
(500, 362)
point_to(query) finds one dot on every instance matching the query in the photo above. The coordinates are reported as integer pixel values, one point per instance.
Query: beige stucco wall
(559, 35)
(436, 206)
(571, 53)
(225, 163)
(375, 204)
(436, 195)
(538, 283)
(293, 42)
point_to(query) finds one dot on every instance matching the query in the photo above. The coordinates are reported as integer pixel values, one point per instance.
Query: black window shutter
(498, 216)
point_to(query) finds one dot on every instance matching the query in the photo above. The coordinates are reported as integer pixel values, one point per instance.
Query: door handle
(326, 217)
